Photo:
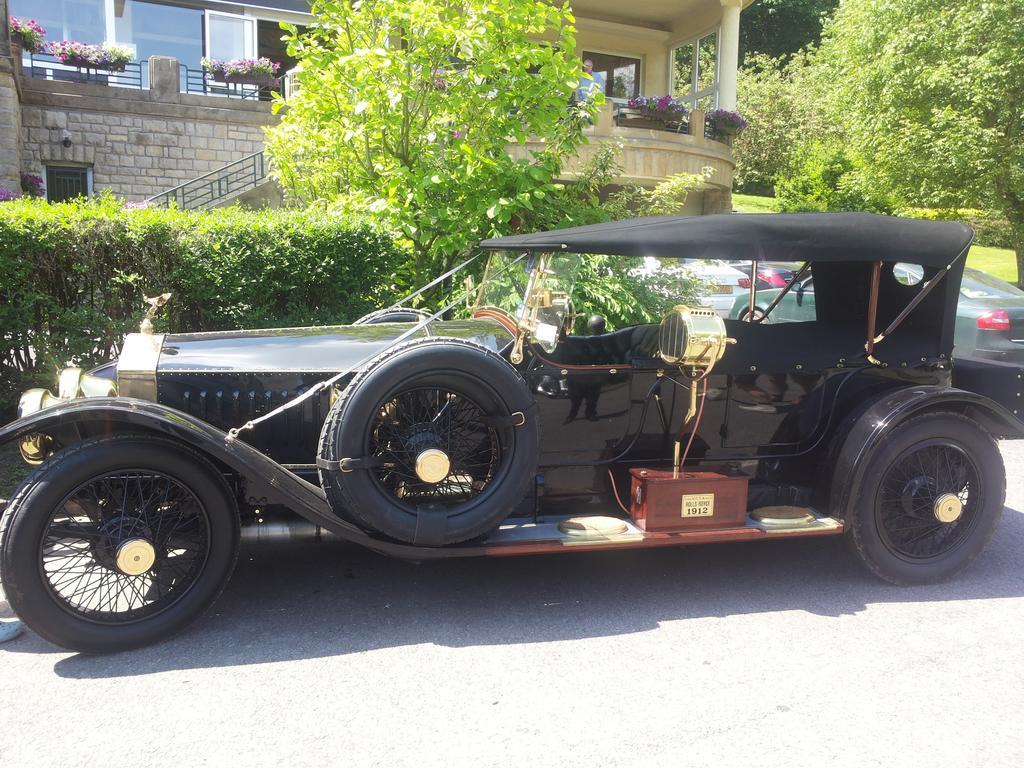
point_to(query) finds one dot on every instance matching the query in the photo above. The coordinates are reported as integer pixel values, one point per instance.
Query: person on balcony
(591, 82)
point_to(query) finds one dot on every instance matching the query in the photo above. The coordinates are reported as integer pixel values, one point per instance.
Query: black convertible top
(813, 237)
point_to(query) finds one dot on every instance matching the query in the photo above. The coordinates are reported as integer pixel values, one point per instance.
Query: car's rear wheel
(434, 442)
(117, 542)
(932, 495)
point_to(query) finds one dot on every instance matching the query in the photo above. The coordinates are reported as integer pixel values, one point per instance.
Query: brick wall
(138, 142)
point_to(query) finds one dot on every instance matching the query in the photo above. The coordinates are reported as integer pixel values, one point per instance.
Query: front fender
(95, 416)
(76, 420)
(870, 425)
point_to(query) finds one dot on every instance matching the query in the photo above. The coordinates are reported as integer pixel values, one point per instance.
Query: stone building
(163, 128)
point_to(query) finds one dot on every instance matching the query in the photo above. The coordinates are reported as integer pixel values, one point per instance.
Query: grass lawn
(1001, 262)
(754, 204)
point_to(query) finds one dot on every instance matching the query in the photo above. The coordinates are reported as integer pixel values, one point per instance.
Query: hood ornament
(155, 303)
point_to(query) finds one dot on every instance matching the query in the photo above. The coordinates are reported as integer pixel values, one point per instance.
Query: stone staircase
(244, 181)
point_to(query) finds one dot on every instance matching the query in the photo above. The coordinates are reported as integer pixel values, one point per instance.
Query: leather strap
(349, 464)
(431, 525)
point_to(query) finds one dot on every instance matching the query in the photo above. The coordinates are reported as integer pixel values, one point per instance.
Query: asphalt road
(768, 654)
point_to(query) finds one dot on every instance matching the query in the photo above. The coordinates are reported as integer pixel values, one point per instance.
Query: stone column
(10, 111)
(729, 53)
(164, 82)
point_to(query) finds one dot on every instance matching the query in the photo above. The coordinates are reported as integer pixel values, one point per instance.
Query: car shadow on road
(326, 600)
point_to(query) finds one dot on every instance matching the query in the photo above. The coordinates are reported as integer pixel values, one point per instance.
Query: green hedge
(73, 276)
(989, 228)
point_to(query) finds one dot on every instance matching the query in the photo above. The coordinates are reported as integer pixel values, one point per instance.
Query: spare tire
(393, 315)
(434, 442)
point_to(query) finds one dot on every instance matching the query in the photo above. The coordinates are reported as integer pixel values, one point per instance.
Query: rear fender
(870, 425)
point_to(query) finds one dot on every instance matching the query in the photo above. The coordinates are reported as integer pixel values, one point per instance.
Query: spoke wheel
(436, 442)
(117, 542)
(925, 499)
(125, 545)
(924, 480)
(433, 446)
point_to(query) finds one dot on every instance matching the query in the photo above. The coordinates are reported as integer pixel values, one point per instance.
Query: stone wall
(137, 142)
(10, 112)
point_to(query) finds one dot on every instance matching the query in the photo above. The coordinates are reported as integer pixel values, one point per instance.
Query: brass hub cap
(432, 465)
(135, 557)
(948, 508)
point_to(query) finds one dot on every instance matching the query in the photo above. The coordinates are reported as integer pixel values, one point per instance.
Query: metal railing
(201, 82)
(216, 186)
(46, 67)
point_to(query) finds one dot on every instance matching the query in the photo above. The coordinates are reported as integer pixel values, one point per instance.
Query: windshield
(535, 291)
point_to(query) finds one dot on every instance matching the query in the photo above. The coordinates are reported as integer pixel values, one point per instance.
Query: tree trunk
(1017, 234)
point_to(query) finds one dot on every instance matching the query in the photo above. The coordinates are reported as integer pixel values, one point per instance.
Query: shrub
(824, 177)
(75, 275)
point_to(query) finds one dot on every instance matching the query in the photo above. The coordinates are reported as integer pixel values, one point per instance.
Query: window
(621, 74)
(64, 183)
(229, 36)
(695, 72)
(81, 20)
(159, 30)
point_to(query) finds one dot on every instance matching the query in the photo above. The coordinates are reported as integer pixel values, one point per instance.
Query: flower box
(261, 72)
(106, 58)
(636, 118)
(725, 122)
(255, 78)
(110, 66)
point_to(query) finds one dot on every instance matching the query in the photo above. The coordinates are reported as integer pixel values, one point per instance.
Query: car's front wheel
(117, 542)
(932, 495)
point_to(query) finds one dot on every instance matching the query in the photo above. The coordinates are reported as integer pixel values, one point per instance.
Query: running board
(546, 535)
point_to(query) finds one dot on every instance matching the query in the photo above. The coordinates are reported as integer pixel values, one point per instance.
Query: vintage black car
(502, 433)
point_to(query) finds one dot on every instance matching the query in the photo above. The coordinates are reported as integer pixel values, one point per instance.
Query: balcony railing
(200, 82)
(216, 186)
(46, 67)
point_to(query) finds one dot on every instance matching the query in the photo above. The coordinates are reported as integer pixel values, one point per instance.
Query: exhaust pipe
(281, 530)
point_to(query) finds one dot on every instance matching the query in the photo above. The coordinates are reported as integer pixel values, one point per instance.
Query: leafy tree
(932, 97)
(406, 109)
(778, 99)
(782, 28)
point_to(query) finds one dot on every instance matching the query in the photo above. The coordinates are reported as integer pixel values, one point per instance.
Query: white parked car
(722, 283)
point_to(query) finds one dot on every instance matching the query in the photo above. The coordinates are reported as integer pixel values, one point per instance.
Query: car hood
(324, 348)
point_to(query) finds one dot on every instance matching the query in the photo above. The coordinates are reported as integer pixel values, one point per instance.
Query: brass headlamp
(72, 383)
(692, 338)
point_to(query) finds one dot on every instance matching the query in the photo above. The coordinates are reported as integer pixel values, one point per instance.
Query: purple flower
(8, 194)
(241, 67)
(458, 135)
(32, 185)
(662, 107)
(30, 33)
(75, 54)
(725, 120)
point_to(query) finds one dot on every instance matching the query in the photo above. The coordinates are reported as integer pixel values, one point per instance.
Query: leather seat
(615, 348)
